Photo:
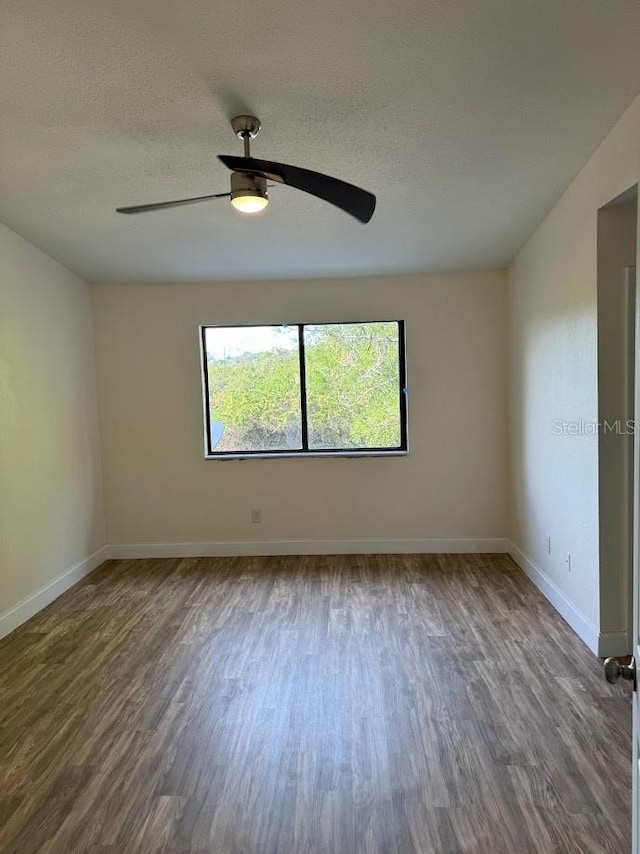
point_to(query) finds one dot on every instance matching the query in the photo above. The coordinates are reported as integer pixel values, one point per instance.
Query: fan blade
(157, 206)
(359, 203)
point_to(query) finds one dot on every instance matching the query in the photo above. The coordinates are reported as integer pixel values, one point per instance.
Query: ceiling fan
(249, 178)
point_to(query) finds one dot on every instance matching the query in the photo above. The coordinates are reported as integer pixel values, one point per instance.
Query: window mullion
(402, 371)
(303, 389)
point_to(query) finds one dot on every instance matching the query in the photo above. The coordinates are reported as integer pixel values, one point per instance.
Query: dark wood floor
(309, 704)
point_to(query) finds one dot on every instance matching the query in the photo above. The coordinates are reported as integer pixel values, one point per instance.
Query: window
(320, 389)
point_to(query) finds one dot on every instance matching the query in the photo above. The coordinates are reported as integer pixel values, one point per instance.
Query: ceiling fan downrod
(246, 128)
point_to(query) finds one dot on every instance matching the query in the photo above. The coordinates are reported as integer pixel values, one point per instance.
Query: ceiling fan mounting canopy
(246, 126)
(249, 177)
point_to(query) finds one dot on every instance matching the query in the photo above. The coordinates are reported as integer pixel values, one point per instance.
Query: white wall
(159, 489)
(553, 375)
(51, 515)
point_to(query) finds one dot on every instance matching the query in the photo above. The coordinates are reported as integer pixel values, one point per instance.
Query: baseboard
(29, 607)
(583, 627)
(613, 643)
(309, 547)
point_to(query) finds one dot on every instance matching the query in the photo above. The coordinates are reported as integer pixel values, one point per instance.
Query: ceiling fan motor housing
(247, 184)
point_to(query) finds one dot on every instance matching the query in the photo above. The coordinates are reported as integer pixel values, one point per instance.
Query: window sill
(304, 455)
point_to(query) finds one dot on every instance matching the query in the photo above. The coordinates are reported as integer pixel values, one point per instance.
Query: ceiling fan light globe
(250, 204)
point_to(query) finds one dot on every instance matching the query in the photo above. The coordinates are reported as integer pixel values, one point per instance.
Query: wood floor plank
(362, 704)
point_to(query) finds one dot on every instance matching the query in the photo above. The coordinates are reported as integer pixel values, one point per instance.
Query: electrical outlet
(547, 544)
(567, 560)
(256, 515)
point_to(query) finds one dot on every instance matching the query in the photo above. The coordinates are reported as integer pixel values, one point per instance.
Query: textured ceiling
(467, 118)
